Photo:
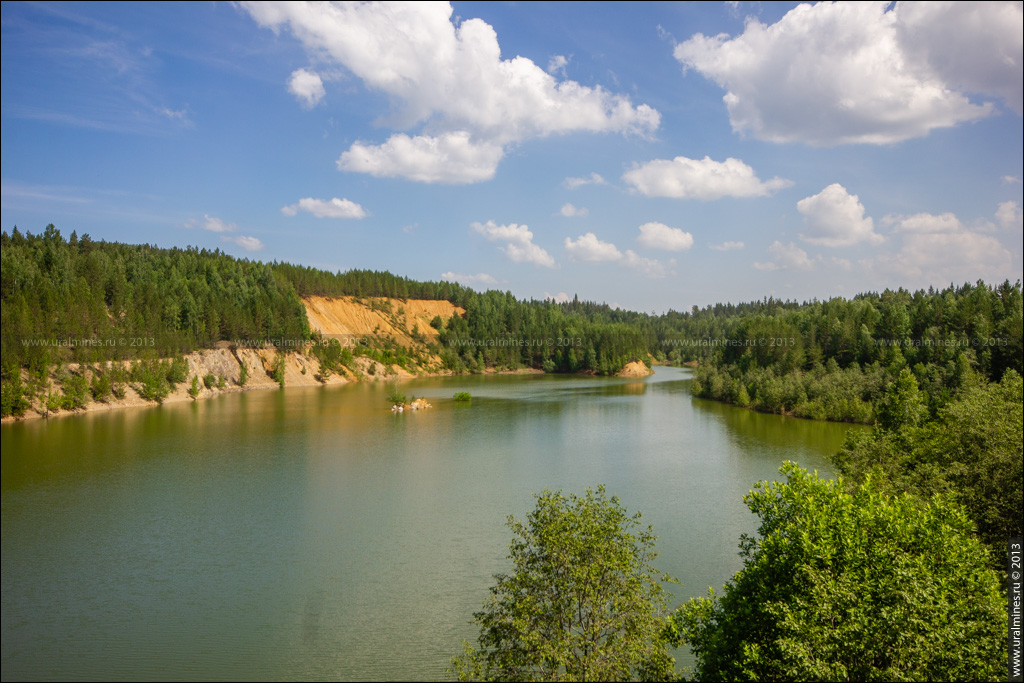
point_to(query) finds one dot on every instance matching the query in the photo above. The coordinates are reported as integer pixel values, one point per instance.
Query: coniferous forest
(820, 359)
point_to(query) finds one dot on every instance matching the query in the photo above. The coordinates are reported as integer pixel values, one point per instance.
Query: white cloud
(307, 87)
(451, 158)
(1009, 216)
(450, 78)
(684, 178)
(940, 249)
(857, 72)
(245, 242)
(926, 223)
(570, 211)
(726, 246)
(835, 218)
(786, 257)
(1010, 179)
(334, 208)
(518, 239)
(560, 298)
(660, 236)
(214, 224)
(589, 249)
(592, 179)
(652, 268)
(469, 280)
(976, 47)
(557, 64)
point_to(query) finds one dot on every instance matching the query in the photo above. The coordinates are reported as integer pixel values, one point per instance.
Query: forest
(68, 299)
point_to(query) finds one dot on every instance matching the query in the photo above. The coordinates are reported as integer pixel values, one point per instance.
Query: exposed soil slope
(377, 317)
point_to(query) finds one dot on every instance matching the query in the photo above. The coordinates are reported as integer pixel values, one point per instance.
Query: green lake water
(310, 533)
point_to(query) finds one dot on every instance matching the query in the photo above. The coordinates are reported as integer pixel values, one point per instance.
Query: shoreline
(199, 361)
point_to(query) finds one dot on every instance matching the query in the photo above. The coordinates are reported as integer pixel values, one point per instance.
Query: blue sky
(649, 155)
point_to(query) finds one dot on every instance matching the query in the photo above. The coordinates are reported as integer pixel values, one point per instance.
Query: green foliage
(118, 301)
(167, 302)
(209, 380)
(902, 406)
(972, 451)
(150, 379)
(14, 400)
(826, 392)
(279, 370)
(243, 373)
(463, 396)
(101, 385)
(583, 601)
(76, 392)
(852, 586)
(194, 389)
(394, 396)
(178, 371)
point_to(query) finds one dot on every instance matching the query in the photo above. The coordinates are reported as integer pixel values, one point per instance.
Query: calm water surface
(310, 533)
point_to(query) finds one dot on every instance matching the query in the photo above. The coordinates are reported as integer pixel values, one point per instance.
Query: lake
(310, 533)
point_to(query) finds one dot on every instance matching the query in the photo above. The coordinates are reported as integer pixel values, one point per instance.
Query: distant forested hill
(76, 299)
(833, 359)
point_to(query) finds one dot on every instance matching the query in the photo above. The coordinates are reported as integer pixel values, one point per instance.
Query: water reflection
(311, 533)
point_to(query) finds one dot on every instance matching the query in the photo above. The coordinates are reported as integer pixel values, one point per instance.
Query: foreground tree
(972, 451)
(852, 586)
(583, 602)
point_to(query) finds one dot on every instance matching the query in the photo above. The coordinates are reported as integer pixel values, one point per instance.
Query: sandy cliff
(405, 322)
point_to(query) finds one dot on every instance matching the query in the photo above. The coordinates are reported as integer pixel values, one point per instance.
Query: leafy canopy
(852, 586)
(971, 451)
(582, 603)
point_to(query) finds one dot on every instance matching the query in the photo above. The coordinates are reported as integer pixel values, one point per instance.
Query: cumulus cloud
(925, 223)
(451, 158)
(469, 280)
(334, 208)
(448, 77)
(307, 87)
(245, 242)
(570, 211)
(706, 179)
(660, 236)
(589, 249)
(519, 246)
(786, 257)
(652, 268)
(1009, 216)
(560, 298)
(726, 246)
(941, 249)
(835, 218)
(592, 179)
(975, 47)
(214, 224)
(858, 72)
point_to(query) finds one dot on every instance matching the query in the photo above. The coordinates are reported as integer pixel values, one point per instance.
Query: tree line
(819, 359)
